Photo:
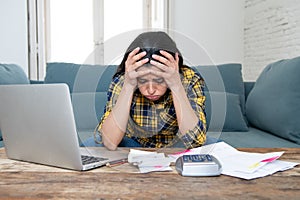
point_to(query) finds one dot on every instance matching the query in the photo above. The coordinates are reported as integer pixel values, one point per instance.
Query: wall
(251, 32)
(272, 32)
(215, 25)
(13, 34)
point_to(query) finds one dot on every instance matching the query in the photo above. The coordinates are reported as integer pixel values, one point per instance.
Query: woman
(154, 100)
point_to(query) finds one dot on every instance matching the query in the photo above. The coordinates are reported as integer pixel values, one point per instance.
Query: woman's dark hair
(151, 43)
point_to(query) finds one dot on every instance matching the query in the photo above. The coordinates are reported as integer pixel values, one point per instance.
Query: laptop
(38, 126)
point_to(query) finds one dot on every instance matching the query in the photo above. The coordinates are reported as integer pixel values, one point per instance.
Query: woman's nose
(151, 88)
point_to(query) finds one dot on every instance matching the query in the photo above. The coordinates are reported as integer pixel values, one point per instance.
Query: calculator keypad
(197, 158)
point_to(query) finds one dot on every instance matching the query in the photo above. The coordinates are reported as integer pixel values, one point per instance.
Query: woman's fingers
(159, 65)
(166, 59)
(140, 63)
(134, 59)
(161, 59)
(133, 62)
(167, 55)
(142, 73)
(134, 56)
(133, 52)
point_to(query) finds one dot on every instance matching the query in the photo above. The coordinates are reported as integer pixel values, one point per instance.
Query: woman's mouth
(153, 97)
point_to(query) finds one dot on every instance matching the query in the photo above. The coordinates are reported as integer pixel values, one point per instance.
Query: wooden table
(21, 180)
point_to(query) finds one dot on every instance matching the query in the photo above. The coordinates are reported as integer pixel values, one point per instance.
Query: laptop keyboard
(91, 159)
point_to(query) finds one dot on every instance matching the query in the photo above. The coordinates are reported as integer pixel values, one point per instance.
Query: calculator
(198, 165)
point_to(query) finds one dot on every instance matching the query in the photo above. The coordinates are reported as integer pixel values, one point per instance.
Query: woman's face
(151, 86)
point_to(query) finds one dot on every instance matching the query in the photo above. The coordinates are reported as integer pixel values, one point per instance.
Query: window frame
(39, 38)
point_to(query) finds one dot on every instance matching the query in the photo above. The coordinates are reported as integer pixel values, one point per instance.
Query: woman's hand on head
(133, 62)
(169, 68)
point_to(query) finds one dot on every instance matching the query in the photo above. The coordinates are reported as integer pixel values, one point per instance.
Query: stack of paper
(234, 163)
(242, 164)
(149, 161)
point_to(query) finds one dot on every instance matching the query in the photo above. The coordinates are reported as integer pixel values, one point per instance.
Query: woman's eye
(141, 81)
(159, 80)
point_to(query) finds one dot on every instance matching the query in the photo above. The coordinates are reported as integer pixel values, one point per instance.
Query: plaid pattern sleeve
(194, 84)
(112, 96)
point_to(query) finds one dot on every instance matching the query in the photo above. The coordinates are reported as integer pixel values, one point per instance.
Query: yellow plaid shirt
(154, 124)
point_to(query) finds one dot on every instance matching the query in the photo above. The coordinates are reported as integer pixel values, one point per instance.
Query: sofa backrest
(225, 97)
(11, 74)
(248, 85)
(88, 86)
(81, 78)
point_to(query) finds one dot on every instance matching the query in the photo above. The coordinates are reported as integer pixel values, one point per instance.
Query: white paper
(266, 170)
(154, 169)
(246, 162)
(149, 161)
(135, 154)
(241, 164)
(214, 149)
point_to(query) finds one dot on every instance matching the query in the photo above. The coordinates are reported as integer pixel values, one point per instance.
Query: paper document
(149, 161)
(246, 162)
(241, 164)
(268, 169)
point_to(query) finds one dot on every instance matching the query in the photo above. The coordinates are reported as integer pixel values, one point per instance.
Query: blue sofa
(238, 112)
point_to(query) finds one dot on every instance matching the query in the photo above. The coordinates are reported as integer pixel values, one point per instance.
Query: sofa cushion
(88, 108)
(80, 78)
(12, 74)
(227, 78)
(232, 113)
(273, 103)
(255, 138)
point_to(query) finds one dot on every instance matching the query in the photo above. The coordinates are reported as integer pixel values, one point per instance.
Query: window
(74, 29)
(70, 30)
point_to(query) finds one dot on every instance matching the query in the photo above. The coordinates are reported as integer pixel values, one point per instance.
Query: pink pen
(182, 152)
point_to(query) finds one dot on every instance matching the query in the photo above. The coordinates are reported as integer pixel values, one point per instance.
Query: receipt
(149, 161)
